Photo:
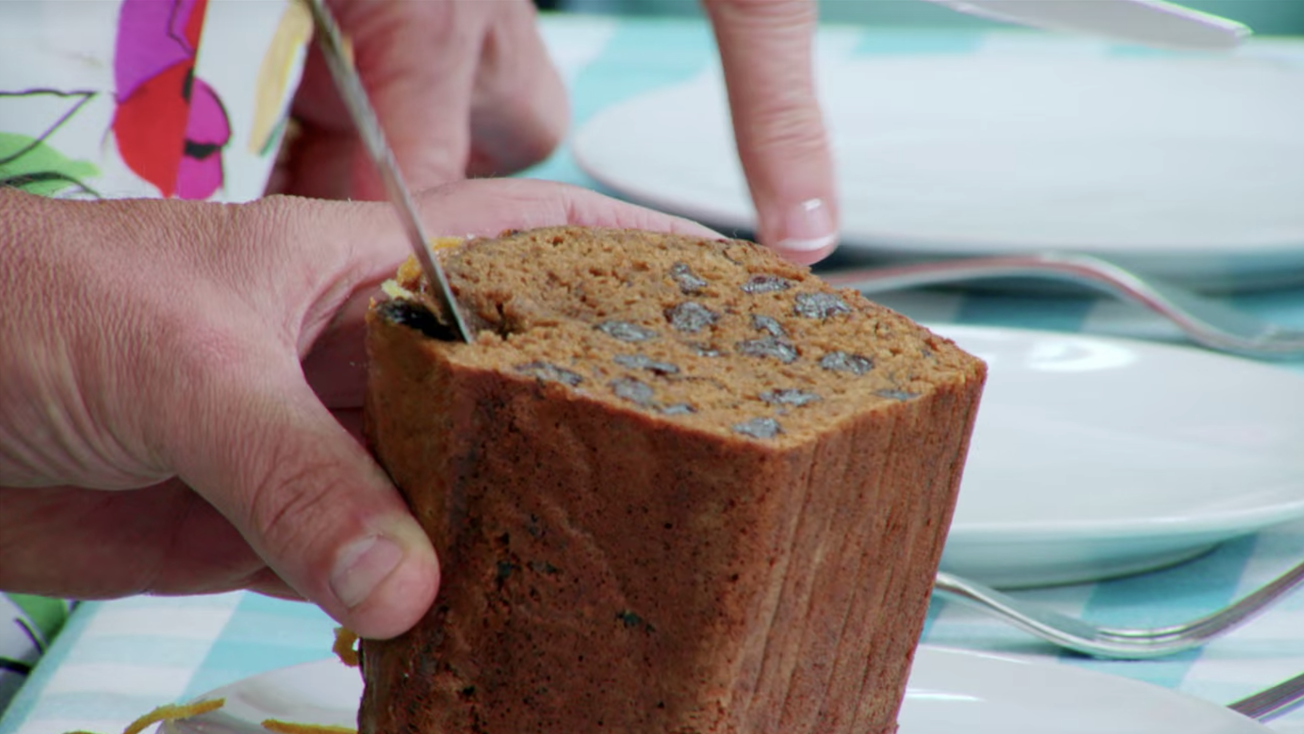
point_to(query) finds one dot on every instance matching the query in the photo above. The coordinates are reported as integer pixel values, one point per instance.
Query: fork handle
(1204, 321)
(1059, 629)
(1273, 702)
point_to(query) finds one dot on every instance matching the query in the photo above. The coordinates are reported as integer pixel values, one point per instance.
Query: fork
(1205, 321)
(1117, 642)
(1272, 702)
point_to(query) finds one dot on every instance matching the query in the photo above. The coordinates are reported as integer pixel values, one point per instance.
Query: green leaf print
(274, 139)
(43, 617)
(36, 168)
(28, 162)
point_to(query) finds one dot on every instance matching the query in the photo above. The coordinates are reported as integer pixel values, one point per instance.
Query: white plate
(1096, 457)
(950, 691)
(1186, 166)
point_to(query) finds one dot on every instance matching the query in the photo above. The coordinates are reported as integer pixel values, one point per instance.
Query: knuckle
(179, 397)
(283, 259)
(791, 126)
(518, 110)
(203, 349)
(257, 226)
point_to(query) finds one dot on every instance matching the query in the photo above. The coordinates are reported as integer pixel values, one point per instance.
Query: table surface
(118, 659)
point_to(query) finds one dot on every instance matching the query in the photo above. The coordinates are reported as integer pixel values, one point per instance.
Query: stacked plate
(1186, 166)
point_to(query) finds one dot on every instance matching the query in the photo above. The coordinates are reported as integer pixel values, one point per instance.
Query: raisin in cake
(677, 486)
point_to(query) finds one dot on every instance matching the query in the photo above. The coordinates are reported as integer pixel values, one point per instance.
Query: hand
(461, 88)
(177, 385)
(766, 48)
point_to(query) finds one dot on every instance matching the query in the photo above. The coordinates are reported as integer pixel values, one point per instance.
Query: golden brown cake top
(714, 335)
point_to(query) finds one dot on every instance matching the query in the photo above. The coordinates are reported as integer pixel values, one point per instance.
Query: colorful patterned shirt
(27, 625)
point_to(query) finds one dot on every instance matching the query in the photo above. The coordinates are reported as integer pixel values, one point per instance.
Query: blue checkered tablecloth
(115, 660)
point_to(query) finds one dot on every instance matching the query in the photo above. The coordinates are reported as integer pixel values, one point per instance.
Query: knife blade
(349, 84)
(1147, 22)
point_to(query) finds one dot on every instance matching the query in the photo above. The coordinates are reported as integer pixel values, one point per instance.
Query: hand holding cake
(176, 381)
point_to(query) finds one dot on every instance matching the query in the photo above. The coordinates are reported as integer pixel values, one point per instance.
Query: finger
(766, 49)
(487, 207)
(336, 368)
(268, 583)
(518, 113)
(319, 164)
(91, 544)
(318, 161)
(418, 61)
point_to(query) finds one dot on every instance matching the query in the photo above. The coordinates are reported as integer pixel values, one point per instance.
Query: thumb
(307, 497)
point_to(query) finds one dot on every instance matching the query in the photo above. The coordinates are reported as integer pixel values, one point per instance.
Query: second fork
(1116, 642)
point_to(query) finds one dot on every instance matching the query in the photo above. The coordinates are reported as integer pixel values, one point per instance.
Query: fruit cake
(677, 486)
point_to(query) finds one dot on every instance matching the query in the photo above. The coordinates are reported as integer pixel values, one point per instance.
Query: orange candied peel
(443, 243)
(289, 727)
(345, 647)
(171, 712)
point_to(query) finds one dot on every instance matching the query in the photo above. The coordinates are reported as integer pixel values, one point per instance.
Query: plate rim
(1227, 523)
(930, 654)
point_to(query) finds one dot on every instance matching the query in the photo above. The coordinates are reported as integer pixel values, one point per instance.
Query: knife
(349, 84)
(1147, 22)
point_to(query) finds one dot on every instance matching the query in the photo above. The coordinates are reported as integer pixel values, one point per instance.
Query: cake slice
(677, 486)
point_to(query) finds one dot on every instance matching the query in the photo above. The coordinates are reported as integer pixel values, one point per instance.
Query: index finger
(766, 49)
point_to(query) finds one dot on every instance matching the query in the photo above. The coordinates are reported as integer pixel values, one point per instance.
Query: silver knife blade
(1147, 22)
(349, 84)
